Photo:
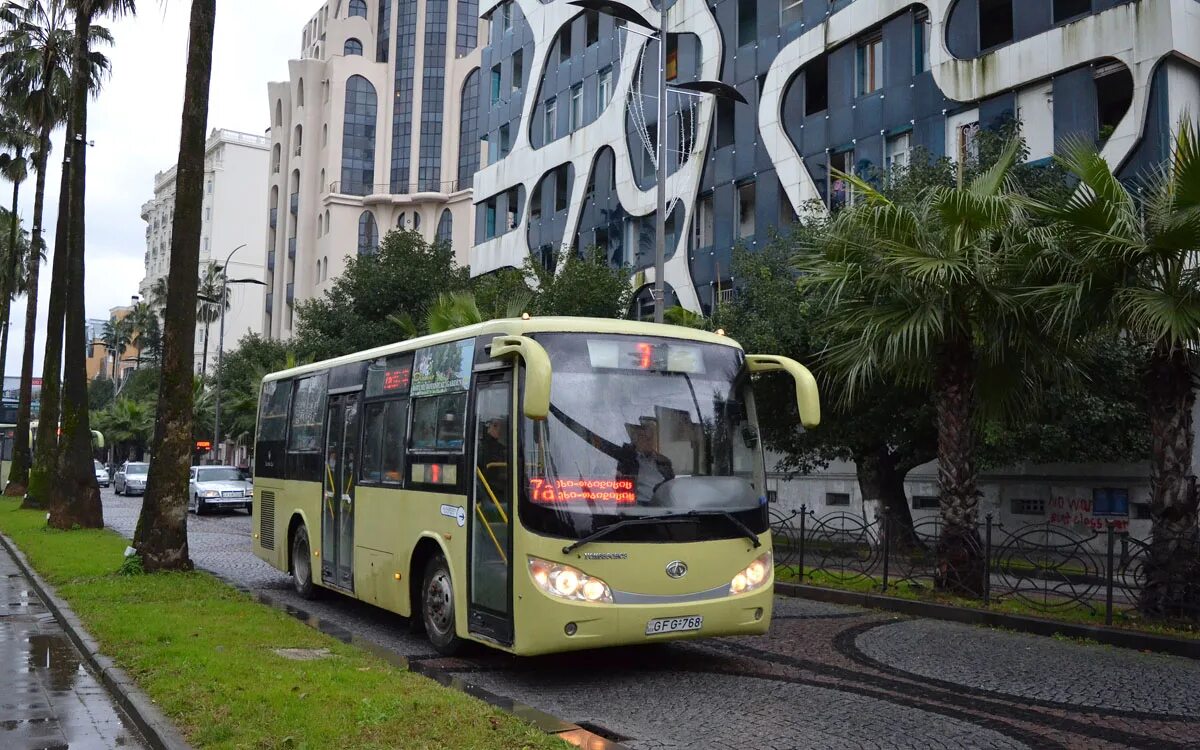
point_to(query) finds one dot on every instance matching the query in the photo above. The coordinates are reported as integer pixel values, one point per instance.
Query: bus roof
(516, 327)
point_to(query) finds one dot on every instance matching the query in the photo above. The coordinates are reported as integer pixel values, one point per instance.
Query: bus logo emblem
(677, 568)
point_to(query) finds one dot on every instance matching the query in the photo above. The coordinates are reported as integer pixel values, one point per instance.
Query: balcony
(291, 293)
(270, 302)
(291, 248)
(271, 260)
(295, 203)
(274, 217)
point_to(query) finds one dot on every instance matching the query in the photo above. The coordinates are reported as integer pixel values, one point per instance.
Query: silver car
(101, 474)
(131, 478)
(218, 487)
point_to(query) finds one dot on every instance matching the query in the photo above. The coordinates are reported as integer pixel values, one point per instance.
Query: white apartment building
(234, 207)
(374, 129)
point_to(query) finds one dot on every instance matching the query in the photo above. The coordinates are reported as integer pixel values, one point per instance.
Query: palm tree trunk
(1172, 567)
(204, 355)
(18, 476)
(960, 566)
(10, 274)
(77, 504)
(161, 536)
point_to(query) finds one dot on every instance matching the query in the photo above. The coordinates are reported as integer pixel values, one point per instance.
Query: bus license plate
(673, 625)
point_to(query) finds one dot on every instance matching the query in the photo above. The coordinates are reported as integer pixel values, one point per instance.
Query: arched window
(327, 224)
(318, 271)
(320, 230)
(300, 93)
(324, 135)
(276, 156)
(358, 137)
(323, 186)
(279, 113)
(416, 221)
(298, 140)
(468, 126)
(368, 234)
(358, 8)
(401, 220)
(353, 47)
(326, 268)
(445, 228)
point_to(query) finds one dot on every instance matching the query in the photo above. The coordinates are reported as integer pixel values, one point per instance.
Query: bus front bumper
(553, 625)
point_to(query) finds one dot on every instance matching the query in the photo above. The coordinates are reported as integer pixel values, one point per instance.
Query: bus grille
(266, 520)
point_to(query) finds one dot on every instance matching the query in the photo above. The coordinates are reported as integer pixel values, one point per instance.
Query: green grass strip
(205, 653)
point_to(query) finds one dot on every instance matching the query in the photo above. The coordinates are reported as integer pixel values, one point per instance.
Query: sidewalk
(49, 699)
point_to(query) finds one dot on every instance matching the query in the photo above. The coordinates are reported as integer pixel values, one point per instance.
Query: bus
(535, 485)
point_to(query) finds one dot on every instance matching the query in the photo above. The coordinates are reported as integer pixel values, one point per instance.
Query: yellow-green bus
(625, 503)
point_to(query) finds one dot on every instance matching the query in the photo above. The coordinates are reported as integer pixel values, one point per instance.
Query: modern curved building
(365, 137)
(568, 112)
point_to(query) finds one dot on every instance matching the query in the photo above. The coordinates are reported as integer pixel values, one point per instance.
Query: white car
(131, 478)
(101, 474)
(218, 487)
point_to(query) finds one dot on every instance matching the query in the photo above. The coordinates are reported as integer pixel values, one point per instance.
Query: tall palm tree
(920, 291)
(208, 305)
(18, 140)
(36, 51)
(75, 500)
(146, 332)
(1128, 256)
(116, 337)
(161, 536)
(158, 295)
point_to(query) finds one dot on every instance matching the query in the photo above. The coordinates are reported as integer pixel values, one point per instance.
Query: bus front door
(490, 559)
(337, 506)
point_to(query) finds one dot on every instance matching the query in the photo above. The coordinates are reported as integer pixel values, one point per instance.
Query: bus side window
(436, 445)
(372, 445)
(395, 427)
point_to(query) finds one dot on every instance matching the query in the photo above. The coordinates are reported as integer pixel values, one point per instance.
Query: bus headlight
(753, 577)
(567, 582)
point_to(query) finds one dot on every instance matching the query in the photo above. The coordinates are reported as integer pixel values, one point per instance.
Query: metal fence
(1049, 568)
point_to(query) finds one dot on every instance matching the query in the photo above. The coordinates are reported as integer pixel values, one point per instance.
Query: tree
(161, 535)
(18, 141)
(209, 298)
(126, 424)
(101, 393)
(36, 50)
(404, 277)
(146, 333)
(241, 375)
(1128, 256)
(920, 291)
(583, 284)
(116, 337)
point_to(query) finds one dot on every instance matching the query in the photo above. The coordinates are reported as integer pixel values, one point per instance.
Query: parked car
(219, 487)
(131, 478)
(101, 474)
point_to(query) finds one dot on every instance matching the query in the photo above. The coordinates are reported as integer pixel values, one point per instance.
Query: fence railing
(1046, 567)
(418, 186)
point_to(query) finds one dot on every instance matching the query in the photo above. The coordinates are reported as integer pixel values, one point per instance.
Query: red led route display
(396, 380)
(559, 491)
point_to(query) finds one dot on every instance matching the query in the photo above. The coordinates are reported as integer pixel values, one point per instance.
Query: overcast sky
(135, 126)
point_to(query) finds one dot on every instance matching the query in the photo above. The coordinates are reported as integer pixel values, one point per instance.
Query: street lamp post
(625, 13)
(220, 349)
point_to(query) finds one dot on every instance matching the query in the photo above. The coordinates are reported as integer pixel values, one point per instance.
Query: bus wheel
(302, 565)
(437, 607)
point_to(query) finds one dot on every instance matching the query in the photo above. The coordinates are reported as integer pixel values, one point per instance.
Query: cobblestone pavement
(826, 676)
(48, 699)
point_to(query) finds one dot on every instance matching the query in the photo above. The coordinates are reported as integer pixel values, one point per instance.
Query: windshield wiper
(690, 516)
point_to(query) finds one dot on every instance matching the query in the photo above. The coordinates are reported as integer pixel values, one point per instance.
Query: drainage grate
(602, 731)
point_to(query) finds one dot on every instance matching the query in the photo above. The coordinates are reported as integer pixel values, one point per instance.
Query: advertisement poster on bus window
(444, 368)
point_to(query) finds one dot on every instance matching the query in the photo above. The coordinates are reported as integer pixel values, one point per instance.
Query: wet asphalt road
(826, 676)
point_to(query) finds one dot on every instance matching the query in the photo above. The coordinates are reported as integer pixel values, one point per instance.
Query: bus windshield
(642, 427)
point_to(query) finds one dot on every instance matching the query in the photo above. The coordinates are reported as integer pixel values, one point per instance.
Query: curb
(1161, 644)
(156, 729)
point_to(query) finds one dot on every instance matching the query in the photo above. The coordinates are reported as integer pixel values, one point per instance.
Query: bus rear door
(337, 503)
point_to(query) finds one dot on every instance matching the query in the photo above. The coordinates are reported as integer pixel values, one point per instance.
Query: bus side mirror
(808, 399)
(537, 371)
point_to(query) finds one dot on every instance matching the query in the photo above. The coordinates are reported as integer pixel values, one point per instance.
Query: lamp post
(225, 281)
(625, 13)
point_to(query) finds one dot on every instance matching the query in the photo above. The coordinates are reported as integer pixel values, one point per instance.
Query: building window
(837, 499)
(489, 218)
(724, 135)
(702, 223)
(506, 16)
(495, 83)
(445, 227)
(1110, 501)
(383, 31)
(468, 125)
(576, 114)
(790, 12)
(897, 150)
(358, 8)
(550, 120)
(358, 137)
(512, 208)
(672, 57)
(840, 164)
(518, 71)
(925, 502)
(368, 234)
(869, 64)
(816, 86)
(591, 23)
(920, 42)
(467, 38)
(564, 44)
(505, 141)
(562, 188)
(353, 47)
(745, 210)
(404, 113)
(1114, 94)
(968, 143)
(1028, 506)
(1067, 9)
(995, 23)
(747, 22)
(604, 89)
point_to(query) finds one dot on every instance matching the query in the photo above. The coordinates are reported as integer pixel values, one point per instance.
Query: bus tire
(302, 580)
(437, 607)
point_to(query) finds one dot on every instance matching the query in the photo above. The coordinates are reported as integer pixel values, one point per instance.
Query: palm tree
(75, 499)
(18, 141)
(161, 536)
(36, 53)
(126, 423)
(208, 305)
(1128, 256)
(116, 337)
(919, 291)
(158, 295)
(147, 333)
